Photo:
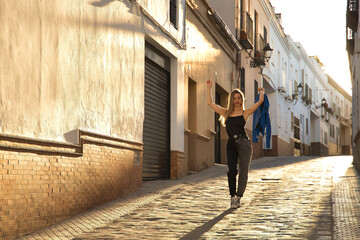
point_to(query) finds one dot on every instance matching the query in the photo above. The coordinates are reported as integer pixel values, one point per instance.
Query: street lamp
(299, 91)
(323, 102)
(261, 57)
(268, 52)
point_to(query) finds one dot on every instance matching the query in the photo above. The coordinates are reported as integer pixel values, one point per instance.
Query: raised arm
(253, 108)
(217, 108)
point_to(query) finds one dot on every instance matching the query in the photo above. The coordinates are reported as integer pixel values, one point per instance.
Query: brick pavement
(346, 203)
(286, 198)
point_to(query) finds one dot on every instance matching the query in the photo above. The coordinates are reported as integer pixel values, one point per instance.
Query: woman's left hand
(261, 89)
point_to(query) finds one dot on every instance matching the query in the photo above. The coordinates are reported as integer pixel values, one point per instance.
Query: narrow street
(286, 198)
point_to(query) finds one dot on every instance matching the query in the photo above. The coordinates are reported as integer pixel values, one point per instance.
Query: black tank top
(235, 125)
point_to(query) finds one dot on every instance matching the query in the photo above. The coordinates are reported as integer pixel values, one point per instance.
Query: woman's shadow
(199, 231)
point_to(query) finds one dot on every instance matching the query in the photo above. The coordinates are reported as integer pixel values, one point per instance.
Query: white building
(300, 119)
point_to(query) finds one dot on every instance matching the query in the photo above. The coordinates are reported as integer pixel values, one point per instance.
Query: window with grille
(173, 12)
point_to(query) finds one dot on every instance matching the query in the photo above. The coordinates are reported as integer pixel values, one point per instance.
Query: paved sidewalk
(286, 198)
(346, 203)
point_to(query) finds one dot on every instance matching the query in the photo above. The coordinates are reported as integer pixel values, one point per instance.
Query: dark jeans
(240, 150)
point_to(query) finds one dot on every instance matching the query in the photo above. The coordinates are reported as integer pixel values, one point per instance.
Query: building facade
(97, 97)
(91, 99)
(340, 133)
(211, 55)
(300, 93)
(353, 49)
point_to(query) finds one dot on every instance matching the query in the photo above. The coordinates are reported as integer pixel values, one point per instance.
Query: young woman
(238, 146)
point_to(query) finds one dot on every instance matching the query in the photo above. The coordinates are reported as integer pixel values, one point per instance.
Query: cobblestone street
(286, 198)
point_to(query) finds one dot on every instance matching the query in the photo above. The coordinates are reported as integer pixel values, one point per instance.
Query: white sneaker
(238, 201)
(234, 201)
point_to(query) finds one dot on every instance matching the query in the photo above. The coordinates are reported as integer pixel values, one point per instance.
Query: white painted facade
(289, 66)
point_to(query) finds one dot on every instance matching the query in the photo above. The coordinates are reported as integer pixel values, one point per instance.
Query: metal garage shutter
(156, 137)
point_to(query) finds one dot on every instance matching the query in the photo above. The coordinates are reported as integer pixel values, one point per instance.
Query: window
(303, 77)
(255, 88)
(242, 80)
(265, 35)
(292, 121)
(296, 128)
(307, 126)
(331, 98)
(173, 11)
(325, 138)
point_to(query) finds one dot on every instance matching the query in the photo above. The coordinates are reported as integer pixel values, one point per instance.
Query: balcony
(352, 14)
(350, 43)
(259, 57)
(246, 33)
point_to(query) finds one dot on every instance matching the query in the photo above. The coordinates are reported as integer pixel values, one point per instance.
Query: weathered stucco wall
(68, 65)
(209, 57)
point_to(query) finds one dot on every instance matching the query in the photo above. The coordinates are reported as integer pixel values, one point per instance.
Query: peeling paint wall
(71, 64)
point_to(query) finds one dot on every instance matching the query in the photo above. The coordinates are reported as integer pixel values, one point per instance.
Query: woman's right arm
(217, 108)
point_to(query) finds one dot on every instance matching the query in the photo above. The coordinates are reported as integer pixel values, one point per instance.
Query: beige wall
(333, 149)
(205, 59)
(66, 65)
(69, 65)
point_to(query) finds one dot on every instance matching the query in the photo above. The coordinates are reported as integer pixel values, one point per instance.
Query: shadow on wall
(101, 3)
(72, 136)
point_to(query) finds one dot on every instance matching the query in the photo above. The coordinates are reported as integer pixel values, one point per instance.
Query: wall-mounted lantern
(323, 103)
(261, 57)
(298, 93)
(268, 52)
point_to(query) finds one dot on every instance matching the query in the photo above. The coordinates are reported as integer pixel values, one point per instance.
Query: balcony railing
(247, 33)
(259, 57)
(352, 14)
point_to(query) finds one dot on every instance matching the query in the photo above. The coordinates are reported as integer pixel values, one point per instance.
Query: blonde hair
(230, 105)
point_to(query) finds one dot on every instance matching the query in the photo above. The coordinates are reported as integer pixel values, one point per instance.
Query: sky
(320, 27)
